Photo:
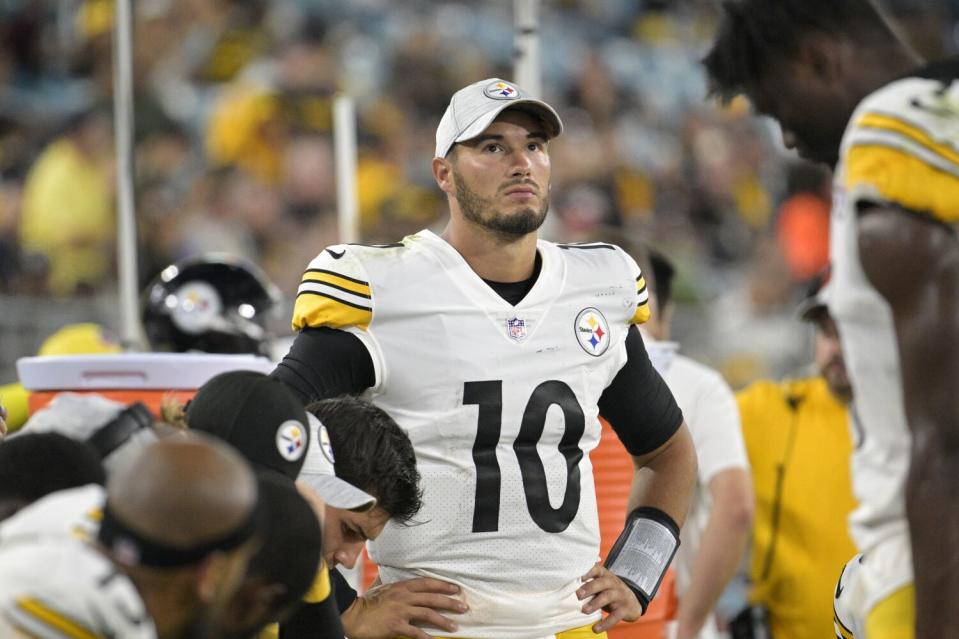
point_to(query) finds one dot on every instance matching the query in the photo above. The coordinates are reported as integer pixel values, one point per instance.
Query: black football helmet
(213, 303)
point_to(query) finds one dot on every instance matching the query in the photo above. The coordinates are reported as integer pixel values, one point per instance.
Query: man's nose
(522, 163)
(347, 556)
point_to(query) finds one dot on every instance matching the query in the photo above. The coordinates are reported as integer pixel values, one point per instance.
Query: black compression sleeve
(342, 590)
(638, 404)
(314, 621)
(324, 363)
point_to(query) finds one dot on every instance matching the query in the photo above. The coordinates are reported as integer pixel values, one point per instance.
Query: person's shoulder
(337, 289)
(696, 371)
(908, 105)
(609, 265)
(902, 146)
(595, 254)
(353, 258)
(760, 392)
(79, 589)
(795, 390)
(74, 512)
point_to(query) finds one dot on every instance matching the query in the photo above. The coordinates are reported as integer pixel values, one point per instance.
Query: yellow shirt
(800, 459)
(68, 217)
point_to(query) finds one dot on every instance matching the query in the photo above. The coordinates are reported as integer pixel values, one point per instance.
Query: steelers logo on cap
(325, 445)
(501, 91)
(289, 440)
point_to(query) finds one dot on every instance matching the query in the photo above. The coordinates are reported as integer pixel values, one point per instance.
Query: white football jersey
(61, 588)
(900, 148)
(500, 403)
(75, 512)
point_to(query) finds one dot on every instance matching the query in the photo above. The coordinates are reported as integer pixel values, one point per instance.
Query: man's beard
(482, 212)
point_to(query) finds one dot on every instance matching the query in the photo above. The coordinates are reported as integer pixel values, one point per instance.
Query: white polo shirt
(711, 414)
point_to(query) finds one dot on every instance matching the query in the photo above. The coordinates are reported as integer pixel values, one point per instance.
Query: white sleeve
(716, 429)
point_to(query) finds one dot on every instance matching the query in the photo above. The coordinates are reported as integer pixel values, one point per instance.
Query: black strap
(120, 429)
(639, 568)
(130, 548)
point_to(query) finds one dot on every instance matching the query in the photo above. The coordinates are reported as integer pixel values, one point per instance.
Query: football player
(497, 352)
(168, 559)
(848, 92)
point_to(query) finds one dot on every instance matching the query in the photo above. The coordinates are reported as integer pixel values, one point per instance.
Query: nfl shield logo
(516, 328)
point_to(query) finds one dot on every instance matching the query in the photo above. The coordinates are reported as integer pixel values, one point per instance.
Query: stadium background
(234, 149)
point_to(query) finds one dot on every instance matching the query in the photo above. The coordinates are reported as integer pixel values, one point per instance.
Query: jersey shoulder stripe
(903, 178)
(902, 146)
(909, 133)
(321, 588)
(642, 301)
(53, 619)
(334, 292)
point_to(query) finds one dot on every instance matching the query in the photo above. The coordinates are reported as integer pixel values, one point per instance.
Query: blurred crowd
(234, 145)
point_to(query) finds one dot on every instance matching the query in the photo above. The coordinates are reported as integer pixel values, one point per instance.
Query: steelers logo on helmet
(194, 307)
(501, 91)
(290, 441)
(592, 331)
(325, 444)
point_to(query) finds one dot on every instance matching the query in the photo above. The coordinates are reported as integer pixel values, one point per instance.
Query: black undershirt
(326, 362)
(514, 292)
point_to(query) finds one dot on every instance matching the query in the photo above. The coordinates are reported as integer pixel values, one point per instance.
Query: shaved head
(183, 491)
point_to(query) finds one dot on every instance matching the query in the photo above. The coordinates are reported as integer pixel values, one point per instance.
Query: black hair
(293, 544)
(751, 33)
(661, 284)
(373, 453)
(33, 465)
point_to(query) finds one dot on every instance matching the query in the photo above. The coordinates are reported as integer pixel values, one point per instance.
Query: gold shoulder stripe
(334, 298)
(270, 632)
(888, 122)
(342, 282)
(320, 589)
(337, 287)
(842, 632)
(641, 316)
(314, 309)
(640, 285)
(904, 179)
(54, 619)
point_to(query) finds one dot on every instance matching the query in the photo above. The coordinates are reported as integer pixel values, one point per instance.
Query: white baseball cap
(319, 473)
(472, 109)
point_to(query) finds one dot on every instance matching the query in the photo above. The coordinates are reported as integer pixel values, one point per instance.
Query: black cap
(257, 415)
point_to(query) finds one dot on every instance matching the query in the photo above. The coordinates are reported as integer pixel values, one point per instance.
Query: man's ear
(823, 58)
(443, 174)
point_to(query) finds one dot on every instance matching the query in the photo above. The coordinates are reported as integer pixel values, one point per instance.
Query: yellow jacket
(799, 445)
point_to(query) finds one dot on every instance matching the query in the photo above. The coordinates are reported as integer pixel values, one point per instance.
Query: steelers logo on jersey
(501, 91)
(289, 440)
(592, 331)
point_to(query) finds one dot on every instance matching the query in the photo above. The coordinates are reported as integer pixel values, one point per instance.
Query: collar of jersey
(547, 288)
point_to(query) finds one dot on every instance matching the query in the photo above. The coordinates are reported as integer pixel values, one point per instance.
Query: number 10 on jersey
(488, 396)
